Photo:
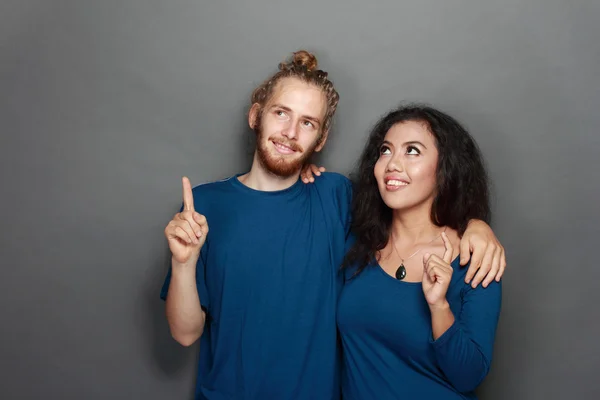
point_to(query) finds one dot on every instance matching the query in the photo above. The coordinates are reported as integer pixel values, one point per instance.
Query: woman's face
(406, 168)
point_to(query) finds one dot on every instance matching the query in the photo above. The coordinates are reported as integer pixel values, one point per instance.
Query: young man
(260, 292)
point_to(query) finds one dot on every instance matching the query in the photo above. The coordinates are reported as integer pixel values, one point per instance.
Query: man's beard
(279, 165)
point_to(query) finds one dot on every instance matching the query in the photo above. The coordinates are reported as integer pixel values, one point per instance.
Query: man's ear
(322, 141)
(253, 115)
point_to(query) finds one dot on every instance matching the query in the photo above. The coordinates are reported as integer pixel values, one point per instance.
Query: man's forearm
(185, 316)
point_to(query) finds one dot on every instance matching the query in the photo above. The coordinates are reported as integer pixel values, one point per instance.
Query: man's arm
(186, 234)
(488, 260)
(184, 312)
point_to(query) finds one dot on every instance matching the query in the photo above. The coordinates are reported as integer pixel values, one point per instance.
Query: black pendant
(401, 272)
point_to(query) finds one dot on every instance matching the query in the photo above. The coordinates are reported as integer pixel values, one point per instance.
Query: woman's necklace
(401, 271)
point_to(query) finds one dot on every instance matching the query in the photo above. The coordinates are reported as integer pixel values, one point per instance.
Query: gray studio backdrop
(104, 105)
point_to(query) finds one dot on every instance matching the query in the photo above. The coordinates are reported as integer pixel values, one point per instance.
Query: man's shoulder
(212, 187)
(209, 193)
(335, 190)
(332, 179)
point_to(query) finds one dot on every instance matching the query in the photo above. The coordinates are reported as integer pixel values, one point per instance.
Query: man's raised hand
(187, 231)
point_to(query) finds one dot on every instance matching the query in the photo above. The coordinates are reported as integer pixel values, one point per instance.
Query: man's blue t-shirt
(268, 277)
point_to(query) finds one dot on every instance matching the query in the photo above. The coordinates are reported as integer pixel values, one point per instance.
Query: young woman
(411, 328)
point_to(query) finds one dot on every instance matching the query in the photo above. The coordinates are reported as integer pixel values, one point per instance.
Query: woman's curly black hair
(462, 188)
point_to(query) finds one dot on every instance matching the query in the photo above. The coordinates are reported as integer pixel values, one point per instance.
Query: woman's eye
(384, 151)
(412, 150)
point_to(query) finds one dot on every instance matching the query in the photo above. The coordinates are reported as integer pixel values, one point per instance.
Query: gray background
(104, 105)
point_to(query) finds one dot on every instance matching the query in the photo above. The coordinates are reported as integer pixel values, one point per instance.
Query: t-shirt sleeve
(200, 278)
(464, 351)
